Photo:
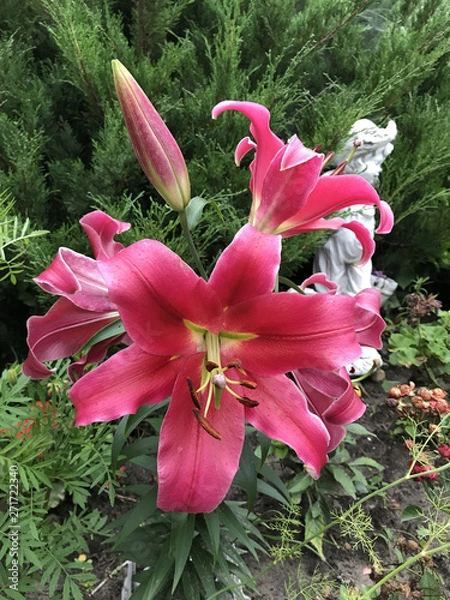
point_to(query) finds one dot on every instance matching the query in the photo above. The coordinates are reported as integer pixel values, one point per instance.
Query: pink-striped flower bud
(155, 147)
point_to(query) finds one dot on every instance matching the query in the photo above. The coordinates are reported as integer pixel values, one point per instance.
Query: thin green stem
(290, 284)
(190, 241)
(408, 563)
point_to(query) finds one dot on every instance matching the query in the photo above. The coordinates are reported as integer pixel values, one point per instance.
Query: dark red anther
(340, 169)
(251, 385)
(193, 393)
(206, 425)
(234, 364)
(247, 402)
(211, 365)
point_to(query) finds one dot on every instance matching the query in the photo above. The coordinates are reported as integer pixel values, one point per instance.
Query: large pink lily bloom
(289, 196)
(84, 307)
(221, 349)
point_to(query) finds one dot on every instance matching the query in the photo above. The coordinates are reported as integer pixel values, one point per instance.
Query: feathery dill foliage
(318, 66)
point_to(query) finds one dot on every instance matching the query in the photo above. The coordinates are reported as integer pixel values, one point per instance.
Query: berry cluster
(410, 401)
(428, 409)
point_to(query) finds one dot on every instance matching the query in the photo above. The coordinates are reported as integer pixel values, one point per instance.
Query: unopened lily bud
(155, 147)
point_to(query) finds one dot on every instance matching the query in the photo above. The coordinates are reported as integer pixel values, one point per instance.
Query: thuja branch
(190, 241)
(355, 13)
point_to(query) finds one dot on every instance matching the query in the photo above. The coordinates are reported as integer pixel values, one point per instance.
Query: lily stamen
(242, 399)
(251, 385)
(234, 364)
(193, 393)
(206, 425)
(248, 402)
(210, 365)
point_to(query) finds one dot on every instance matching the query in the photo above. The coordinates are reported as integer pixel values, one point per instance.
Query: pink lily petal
(77, 278)
(101, 229)
(32, 367)
(95, 354)
(129, 379)
(369, 323)
(268, 143)
(289, 180)
(255, 258)
(64, 330)
(291, 331)
(336, 193)
(361, 232)
(296, 153)
(283, 415)
(156, 292)
(195, 470)
(322, 279)
(243, 148)
(332, 397)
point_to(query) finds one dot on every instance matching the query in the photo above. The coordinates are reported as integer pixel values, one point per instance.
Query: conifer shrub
(318, 66)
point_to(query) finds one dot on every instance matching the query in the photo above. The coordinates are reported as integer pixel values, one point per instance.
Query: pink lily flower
(155, 147)
(332, 397)
(84, 307)
(221, 349)
(289, 196)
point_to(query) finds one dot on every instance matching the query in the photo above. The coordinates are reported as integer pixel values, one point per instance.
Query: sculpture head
(375, 145)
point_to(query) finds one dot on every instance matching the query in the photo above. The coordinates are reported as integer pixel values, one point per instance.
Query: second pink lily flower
(289, 195)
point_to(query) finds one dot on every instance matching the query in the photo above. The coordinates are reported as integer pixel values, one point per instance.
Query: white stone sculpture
(340, 255)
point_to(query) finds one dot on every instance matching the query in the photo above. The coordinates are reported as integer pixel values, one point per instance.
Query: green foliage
(45, 460)
(14, 237)
(420, 336)
(425, 343)
(318, 66)
(341, 476)
(184, 555)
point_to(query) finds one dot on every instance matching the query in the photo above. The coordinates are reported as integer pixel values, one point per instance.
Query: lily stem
(291, 284)
(190, 241)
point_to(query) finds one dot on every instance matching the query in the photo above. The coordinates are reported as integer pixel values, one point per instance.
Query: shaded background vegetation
(317, 65)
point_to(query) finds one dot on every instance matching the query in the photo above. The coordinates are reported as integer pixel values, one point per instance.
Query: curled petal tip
(386, 218)
(244, 146)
